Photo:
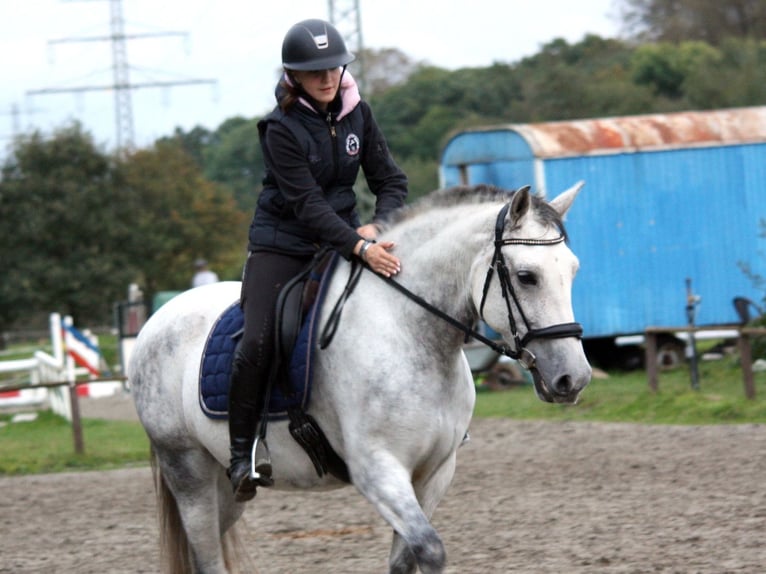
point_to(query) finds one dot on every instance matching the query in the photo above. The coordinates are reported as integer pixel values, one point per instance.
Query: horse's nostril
(563, 385)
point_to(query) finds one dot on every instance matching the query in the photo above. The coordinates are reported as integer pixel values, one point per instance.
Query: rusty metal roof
(651, 131)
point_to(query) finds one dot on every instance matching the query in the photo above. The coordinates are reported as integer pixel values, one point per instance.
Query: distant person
(202, 274)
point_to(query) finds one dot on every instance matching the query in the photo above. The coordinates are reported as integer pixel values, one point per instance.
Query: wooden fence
(74, 402)
(743, 343)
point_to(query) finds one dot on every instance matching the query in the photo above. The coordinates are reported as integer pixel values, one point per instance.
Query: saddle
(294, 304)
(288, 389)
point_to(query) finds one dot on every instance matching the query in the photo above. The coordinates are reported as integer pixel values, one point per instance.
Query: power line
(15, 114)
(15, 121)
(121, 84)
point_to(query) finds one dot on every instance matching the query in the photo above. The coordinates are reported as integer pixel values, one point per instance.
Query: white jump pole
(60, 399)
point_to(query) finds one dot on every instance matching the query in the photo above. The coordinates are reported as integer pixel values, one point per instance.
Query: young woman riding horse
(314, 143)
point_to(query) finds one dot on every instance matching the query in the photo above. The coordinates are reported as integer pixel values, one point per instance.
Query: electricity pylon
(346, 17)
(121, 84)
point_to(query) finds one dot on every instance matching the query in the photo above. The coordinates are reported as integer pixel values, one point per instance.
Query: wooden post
(746, 363)
(74, 401)
(743, 342)
(650, 341)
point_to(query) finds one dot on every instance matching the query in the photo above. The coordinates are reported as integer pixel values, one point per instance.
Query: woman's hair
(290, 90)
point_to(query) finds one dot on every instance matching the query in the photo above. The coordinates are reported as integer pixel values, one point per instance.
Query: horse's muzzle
(564, 390)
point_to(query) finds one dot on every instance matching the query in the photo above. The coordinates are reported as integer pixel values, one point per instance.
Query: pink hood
(349, 94)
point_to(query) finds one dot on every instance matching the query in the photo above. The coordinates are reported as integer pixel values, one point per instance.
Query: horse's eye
(527, 278)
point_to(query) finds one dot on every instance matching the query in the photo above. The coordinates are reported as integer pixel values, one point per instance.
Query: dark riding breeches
(264, 276)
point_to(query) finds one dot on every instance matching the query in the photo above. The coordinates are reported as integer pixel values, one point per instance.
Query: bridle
(558, 331)
(519, 352)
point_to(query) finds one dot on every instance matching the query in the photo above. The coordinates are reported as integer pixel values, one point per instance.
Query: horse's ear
(564, 201)
(520, 203)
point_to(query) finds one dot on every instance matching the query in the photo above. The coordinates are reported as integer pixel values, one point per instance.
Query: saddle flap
(294, 303)
(289, 316)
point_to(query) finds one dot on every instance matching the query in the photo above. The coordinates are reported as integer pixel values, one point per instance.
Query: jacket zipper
(333, 135)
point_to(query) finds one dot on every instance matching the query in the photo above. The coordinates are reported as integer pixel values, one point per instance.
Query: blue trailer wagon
(667, 197)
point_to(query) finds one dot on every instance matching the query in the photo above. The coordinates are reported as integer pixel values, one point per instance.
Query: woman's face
(322, 85)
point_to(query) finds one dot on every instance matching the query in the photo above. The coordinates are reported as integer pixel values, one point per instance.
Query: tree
(711, 21)
(79, 226)
(176, 215)
(236, 160)
(591, 78)
(58, 243)
(416, 117)
(385, 69)
(666, 67)
(735, 77)
(193, 142)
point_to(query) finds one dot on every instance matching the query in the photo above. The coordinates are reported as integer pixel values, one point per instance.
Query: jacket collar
(343, 105)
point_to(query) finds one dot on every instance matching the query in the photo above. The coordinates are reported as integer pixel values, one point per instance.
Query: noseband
(559, 331)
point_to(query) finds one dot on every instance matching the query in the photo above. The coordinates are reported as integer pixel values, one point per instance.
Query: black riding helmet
(314, 45)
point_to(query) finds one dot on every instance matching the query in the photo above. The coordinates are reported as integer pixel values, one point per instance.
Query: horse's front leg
(429, 493)
(382, 479)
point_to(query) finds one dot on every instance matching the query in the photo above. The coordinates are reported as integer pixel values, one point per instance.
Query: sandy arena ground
(528, 497)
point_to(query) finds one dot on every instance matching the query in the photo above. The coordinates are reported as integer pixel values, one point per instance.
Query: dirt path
(529, 497)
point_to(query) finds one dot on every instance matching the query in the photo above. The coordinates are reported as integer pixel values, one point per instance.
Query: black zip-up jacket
(312, 161)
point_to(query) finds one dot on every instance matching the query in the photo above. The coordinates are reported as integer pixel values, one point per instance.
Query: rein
(328, 332)
(520, 353)
(469, 332)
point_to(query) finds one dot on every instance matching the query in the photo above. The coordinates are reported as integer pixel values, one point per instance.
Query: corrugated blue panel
(646, 221)
(510, 175)
(501, 158)
(603, 235)
(486, 147)
(754, 181)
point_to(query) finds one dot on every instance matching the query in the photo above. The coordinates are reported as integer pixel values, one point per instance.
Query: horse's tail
(175, 552)
(235, 555)
(174, 546)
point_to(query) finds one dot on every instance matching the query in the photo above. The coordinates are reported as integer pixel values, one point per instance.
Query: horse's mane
(470, 195)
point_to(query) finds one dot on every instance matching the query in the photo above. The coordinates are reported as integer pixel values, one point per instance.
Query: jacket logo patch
(352, 144)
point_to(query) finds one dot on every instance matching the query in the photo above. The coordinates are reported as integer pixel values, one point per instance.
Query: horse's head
(526, 295)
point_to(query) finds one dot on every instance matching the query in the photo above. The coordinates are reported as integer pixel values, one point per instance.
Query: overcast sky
(237, 43)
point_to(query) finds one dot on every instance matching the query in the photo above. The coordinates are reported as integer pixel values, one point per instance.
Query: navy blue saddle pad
(215, 366)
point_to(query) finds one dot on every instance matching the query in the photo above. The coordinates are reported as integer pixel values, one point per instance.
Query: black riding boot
(245, 407)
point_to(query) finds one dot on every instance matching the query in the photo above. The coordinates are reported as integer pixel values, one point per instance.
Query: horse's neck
(441, 248)
(437, 254)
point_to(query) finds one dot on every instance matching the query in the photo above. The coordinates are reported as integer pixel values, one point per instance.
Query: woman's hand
(379, 258)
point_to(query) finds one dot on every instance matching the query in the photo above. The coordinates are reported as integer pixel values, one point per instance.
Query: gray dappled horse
(393, 391)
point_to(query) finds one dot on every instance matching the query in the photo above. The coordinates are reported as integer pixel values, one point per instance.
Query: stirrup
(260, 463)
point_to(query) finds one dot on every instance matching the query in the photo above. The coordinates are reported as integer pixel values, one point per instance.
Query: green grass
(626, 397)
(46, 445)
